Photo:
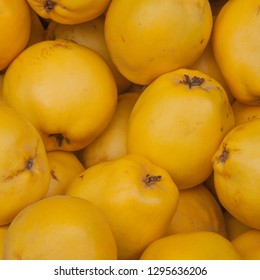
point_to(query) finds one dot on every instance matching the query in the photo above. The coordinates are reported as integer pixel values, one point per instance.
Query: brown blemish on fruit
(223, 157)
(258, 10)
(27, 167)
(53, 175)
(29, 164)
(192, 82)
(49, 5)
(150, 180)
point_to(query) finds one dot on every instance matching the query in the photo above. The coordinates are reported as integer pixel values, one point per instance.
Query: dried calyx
(191, 82)
(60, 138)
(29, 164)
(49, 5)
(149, 179)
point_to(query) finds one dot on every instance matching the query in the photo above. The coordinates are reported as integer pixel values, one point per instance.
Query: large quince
(178, 123)
(66, 90)
(148, 38)
(137, 197)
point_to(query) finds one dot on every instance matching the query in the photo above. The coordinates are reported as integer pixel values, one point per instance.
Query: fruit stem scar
(49, 5)
(150, 179)
(191, 82)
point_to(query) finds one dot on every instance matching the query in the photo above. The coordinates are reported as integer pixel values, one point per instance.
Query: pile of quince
(129, 129)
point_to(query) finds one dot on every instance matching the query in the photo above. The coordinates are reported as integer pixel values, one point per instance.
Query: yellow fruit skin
(171, 123)
(64, 167)
(60, 228)
(69, 12)
(91, 35)
(237, 173)
(236, 48)
(3, 230)
(145, 40)
(248, 244)
(24, 169)
(66, 90)
(200, 245)
(197, 211)
(111, 143)
(244, 112)
(138, 209)
(234, 226)
(15, 26)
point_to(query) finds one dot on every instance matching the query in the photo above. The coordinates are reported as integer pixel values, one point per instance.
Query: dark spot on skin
(224, 155)
(53, 175)
(29, 164)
